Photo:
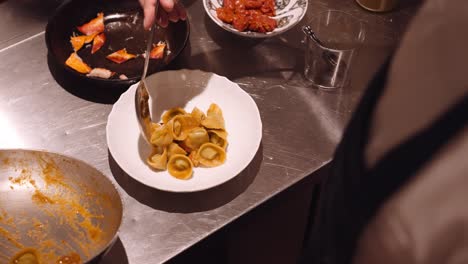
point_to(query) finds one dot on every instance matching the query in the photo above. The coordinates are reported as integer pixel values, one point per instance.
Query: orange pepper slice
(98, 42)
(158, 51)
(120, 56)
(95, 26)
(78, 41)
(76, 63)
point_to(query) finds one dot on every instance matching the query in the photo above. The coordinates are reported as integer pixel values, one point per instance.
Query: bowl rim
(118, 191)
(128, 81)
(212, 74)
(251, 34)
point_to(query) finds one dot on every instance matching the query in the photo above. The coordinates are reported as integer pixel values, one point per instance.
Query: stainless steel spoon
(328, 56)
(141, 94)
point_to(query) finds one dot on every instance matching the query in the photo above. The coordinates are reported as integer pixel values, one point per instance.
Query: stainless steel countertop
(302, 125)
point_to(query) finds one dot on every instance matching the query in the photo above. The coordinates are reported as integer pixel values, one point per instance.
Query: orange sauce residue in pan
(71, 208)
(6, 219)
(31, 256)
(40, 198)
(66, 202)
(71, 258)
(23, 179)
(6, 161)
(53, 176)
(3, 257)
(12, 238)
(28, 255)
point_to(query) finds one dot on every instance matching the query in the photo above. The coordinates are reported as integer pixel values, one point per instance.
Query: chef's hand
(169, 10)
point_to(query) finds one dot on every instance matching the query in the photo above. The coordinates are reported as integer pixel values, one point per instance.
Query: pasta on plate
(185, 140)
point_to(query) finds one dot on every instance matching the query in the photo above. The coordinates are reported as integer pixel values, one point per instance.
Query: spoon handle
(149, 45)
(331, 57)
(141, 93)
(309, 32)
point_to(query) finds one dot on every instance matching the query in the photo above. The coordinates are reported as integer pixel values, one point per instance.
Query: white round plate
(187, 89)
(288, 14)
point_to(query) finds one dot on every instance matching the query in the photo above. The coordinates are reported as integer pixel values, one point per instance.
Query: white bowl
(288, 14)
(187, 89)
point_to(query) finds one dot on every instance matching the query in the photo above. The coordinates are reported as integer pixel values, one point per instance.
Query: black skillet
(123, 21)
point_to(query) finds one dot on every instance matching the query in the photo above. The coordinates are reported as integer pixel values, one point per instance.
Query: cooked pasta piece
(214, 118)
(193, 157)
(180, 166)
(171, 113)
(198, 114)
(162, 136)
(154, 126)
(158, 160)
(210, 155)
(218, 137)
(183, 141)
(182, 124)
(196, 137)
(174, 148)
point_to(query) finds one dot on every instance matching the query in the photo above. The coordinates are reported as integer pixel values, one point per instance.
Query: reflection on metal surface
(22, 41)
(22, 19)
(8, 135)
(45, 116)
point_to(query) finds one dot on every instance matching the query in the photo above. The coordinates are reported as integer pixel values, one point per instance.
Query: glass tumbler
(328, 60)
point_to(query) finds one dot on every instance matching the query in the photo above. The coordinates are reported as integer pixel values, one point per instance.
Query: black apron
(351, 194)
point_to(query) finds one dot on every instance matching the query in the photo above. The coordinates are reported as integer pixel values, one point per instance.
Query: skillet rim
(129, 81)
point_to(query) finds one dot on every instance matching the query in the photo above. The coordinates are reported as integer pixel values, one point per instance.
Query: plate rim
(251, 34)
(191, 190)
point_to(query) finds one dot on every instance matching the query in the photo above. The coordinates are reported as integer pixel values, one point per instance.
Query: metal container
(378, 5)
